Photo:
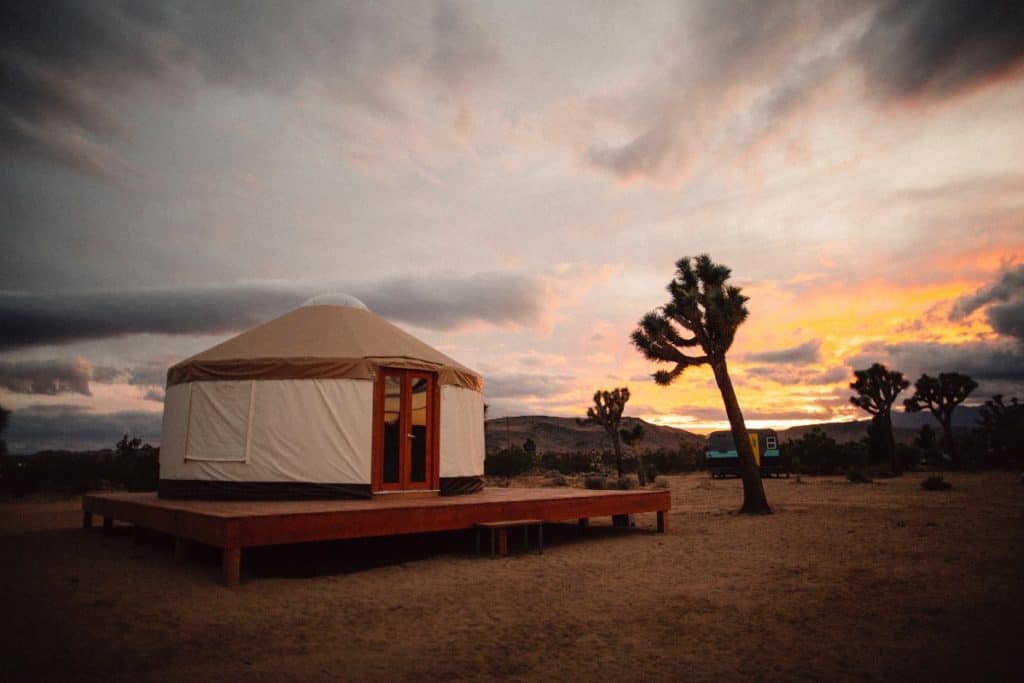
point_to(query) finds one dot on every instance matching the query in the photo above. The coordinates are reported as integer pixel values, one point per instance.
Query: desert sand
(883, 581)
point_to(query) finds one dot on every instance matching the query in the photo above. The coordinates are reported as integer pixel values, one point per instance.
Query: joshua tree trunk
(618, 449)
(890, 445)
(641, 476)
(754, 499)
(947, 433)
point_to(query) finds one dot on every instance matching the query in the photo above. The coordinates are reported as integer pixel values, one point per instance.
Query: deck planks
(233, 525)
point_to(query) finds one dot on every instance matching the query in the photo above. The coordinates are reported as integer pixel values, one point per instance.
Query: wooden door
(405, 431)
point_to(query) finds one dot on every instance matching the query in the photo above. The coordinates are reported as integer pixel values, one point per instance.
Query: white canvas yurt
(329, 400)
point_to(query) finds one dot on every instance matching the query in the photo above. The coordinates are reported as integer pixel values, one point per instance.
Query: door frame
(433, 478)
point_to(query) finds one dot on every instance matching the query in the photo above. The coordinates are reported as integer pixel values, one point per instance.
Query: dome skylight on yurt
(336, 299)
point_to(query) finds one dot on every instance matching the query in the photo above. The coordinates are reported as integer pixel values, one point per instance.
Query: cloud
(938, 48)
(791, 374)
(433, 301)
(34, 319)
(521, 385)
(1005, 301)
(449, 301)
(68, 427)
(998, 367)
(749, 68)
(64, 65)
(808, 352)
(50, 377)
(156, 395)
(651, 153)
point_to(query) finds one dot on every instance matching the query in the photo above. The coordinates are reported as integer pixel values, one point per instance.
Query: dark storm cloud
(937, 48)
(446, 302)
(787, 52)
(69, 427)
(998, 364)
(808, 352)
(63, 65)
(35, 319)
(522, 385)
(1005, 302)
(438, 302)
(50, 377)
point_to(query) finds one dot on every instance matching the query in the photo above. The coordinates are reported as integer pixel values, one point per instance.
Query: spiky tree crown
(877, 388)
(607, 408)
(940, 394)
(704, 313)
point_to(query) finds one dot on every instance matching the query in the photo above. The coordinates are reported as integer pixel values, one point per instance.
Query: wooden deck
(233, 525)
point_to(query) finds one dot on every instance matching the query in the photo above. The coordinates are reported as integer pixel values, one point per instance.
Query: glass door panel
(392, 454)
(405, 455)
(419, 432)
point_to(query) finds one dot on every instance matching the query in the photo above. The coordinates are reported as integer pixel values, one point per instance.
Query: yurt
(327, 401)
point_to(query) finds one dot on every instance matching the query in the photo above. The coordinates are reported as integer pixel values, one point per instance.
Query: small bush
(626, 483)
(508, 462)
(595, 482)
(856, 475)
(936, 484)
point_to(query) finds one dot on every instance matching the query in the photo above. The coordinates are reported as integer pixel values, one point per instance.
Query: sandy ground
(845, 582)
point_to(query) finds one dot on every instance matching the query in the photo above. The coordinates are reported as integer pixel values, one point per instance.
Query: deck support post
(582, 524)
(108, 525)
(182, 549)
(502, 541)
(86, 519)
(662, 521)
(231, 565)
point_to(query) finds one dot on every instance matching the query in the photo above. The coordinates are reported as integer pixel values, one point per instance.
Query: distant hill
(563, 435)
(905, 426)
(843, 432)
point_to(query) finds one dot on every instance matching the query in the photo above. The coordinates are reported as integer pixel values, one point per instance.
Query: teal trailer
(722, 460)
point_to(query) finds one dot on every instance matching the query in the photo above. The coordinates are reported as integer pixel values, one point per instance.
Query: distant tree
(927, 442)
(127, 445)
(877, 389)
(632, 438)
(941, 395)
(1002, 428)
(703, 315)
(530, 446)
(5, 415)
(607, 412)
(813, 451)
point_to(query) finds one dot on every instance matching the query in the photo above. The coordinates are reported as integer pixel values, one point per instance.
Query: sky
(513, 183)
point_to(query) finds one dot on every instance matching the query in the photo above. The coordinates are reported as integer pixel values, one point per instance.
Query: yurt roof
(320, 341)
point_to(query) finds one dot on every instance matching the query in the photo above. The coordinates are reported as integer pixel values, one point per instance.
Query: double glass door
(405, 454)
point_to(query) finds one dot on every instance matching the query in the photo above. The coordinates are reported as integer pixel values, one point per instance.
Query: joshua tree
(4, 415)
(1002, 426)
(877, 389)
(941, 395)
(632, 438)
(607, 412)
(709, 311)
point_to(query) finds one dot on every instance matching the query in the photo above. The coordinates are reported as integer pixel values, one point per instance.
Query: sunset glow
(512, 183)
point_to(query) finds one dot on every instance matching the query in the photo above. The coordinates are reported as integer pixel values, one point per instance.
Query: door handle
(411, 436)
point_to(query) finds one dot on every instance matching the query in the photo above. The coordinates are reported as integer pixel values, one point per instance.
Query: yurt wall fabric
(317, 431)
(462, 432)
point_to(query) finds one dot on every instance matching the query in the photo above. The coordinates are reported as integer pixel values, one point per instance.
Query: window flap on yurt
(218, 421)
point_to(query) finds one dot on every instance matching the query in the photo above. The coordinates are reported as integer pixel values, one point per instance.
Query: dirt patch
(881, 581)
